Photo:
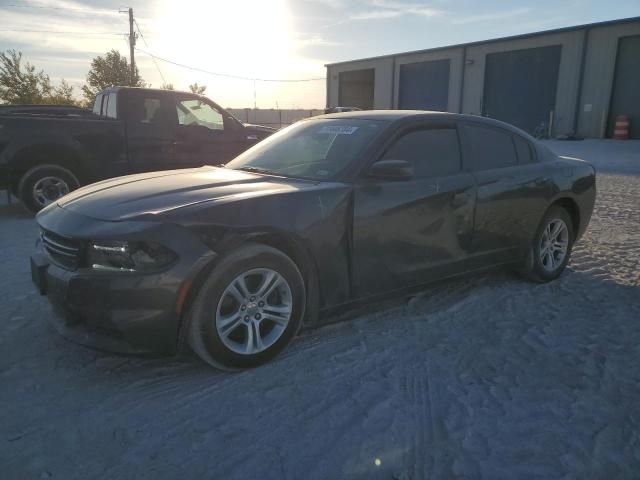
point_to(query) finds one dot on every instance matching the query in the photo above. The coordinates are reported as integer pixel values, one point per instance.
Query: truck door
(151, 129)
(206, 134)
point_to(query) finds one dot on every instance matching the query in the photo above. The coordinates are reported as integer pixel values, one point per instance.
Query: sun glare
(248, 38)
(242, 37)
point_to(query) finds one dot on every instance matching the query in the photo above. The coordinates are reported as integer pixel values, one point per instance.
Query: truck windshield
(315, 149)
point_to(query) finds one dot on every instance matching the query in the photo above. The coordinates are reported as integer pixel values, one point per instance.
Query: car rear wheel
(248, 310)
(44, 184)
(551, 248)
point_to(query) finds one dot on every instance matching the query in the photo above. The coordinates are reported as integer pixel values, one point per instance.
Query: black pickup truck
(47, 151)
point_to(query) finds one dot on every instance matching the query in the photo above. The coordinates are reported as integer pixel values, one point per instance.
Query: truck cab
(48, 151)
(168, 130)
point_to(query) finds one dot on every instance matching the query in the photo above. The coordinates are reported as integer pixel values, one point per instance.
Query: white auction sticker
(338, 130)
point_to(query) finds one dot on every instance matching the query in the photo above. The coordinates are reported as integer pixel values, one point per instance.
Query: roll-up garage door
(355, 88)
(520, 86)
(424, 85)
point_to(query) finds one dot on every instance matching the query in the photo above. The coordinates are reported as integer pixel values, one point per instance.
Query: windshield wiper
(256, 170)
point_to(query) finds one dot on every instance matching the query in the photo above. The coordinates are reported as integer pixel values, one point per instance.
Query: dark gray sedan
(331, 212)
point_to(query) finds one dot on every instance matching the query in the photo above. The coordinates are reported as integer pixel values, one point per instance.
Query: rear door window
(486, 147)
(432, 151)
(150, 109)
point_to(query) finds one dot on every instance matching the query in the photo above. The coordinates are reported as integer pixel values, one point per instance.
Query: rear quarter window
(524, 149)
(486, 147)
(111, 106)
(97, 104)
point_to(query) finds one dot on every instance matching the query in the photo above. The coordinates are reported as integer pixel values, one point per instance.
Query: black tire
(203, 336)
(67, 180)
(533, 268)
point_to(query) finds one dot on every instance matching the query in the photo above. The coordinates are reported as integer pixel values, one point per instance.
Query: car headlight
(128, 256)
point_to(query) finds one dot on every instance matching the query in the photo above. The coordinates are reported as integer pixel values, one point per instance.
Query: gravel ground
(487, 377)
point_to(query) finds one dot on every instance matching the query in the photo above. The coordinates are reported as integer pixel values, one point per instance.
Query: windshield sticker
(337, 130)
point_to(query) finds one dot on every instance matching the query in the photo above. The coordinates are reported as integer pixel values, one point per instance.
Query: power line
(237, 77)
(58, 31)
(152, 58)
(51, 7)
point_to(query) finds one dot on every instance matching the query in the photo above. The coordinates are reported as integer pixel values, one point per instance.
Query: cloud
(382, 9)
(315, 41)
(490, 17)
(375, 14)
(336, 4)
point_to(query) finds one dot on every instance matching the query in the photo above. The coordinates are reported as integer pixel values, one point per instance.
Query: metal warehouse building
(572, 80)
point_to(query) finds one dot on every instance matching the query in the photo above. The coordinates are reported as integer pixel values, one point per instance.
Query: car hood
(155, 193)
(259, 128)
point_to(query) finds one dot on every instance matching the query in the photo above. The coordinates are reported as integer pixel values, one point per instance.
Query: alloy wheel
(254, 311)
(554, 244)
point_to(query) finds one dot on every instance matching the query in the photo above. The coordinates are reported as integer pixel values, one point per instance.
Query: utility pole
(132, 45)
(255, 98)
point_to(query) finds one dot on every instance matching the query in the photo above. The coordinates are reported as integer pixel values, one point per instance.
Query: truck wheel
(44, 184)
(248, 310)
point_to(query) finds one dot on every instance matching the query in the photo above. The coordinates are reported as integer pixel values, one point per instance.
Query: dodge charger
(329, 213)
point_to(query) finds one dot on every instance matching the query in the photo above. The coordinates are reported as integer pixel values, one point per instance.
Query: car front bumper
(122, 312)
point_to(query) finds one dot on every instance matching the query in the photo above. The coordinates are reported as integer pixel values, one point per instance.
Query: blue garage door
(424, 86)
(625, 99)
(520, 86)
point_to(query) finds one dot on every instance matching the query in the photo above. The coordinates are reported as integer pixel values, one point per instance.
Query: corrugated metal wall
(568, 73)
(382, 82)
(625, 98)
(597, 86)
(581, 107)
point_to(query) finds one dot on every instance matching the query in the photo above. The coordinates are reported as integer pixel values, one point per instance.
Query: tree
(167, 86)
(62, 94)
(20, 83)
(109, 70)
(199, 89)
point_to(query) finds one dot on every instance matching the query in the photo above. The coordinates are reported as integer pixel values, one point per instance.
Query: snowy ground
(488, 377)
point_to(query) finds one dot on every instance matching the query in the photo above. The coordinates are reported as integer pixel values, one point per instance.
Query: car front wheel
(551, 248)
(248, 310)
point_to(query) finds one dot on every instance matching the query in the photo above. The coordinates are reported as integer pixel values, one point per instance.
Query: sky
(268, 39)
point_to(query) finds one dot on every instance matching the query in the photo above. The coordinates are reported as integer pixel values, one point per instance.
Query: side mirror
(391, 170)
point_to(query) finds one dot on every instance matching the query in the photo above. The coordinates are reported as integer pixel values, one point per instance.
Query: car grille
(63, 251)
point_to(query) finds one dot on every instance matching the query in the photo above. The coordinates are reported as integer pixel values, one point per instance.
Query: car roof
(388, 115)
(408, 115)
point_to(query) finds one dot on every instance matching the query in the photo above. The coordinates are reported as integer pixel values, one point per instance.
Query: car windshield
(315, 149)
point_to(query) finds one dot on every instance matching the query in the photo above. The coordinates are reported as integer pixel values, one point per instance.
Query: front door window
(195, 112)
